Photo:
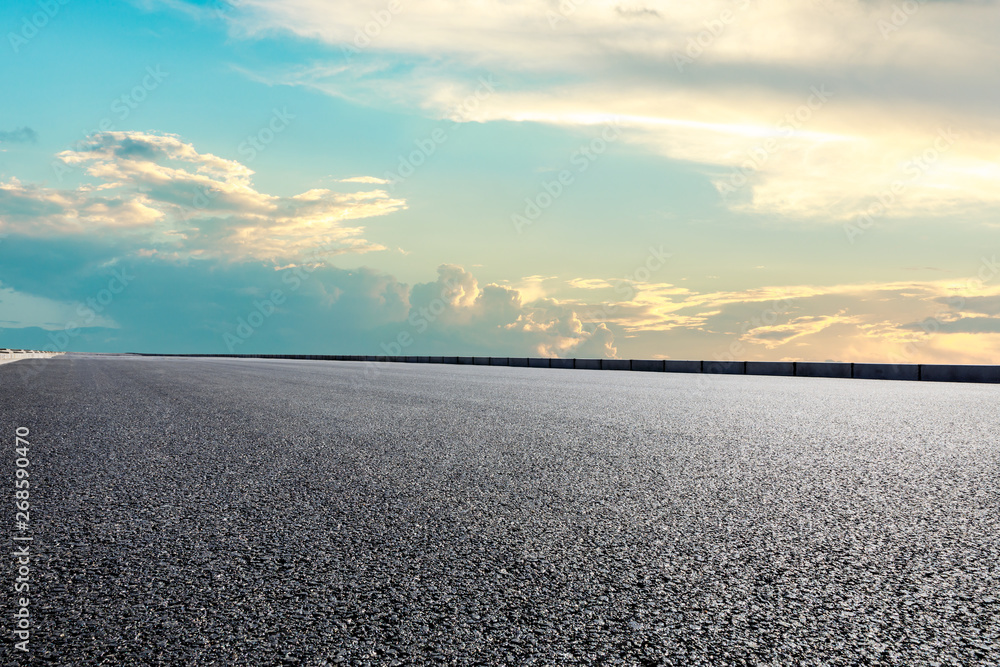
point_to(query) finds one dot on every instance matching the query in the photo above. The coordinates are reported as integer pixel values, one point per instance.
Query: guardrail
(863, 371)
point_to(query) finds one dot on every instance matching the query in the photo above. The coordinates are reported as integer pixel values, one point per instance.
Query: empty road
(221, 511)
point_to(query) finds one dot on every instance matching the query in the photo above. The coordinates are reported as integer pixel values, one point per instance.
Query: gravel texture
(217, 511)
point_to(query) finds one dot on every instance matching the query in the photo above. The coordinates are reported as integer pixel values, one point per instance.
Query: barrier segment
(724, 367)
(955, 373)
(821, 369)
(887, 371)
(678, 366)
(786, 368)
(648, 365)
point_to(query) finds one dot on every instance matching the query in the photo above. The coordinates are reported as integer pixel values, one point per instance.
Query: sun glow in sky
(756, 179)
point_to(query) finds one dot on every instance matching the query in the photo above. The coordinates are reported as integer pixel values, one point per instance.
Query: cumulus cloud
(728, 85)
(455, 312)
(164, 195)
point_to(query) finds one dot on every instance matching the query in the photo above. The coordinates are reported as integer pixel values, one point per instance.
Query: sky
(748, 179)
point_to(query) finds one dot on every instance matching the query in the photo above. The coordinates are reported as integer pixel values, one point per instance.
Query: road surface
(220, 511)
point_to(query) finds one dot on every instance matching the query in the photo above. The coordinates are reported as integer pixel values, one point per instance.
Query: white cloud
(159, 191)
(706, 83)
(364, 179)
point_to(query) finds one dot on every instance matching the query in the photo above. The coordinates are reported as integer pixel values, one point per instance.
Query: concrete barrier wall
(678, 366)
(724, 367)
(648, 365)
(861, 371)
(771, 368)
(822, 369)
(949, 373)
(887, 371)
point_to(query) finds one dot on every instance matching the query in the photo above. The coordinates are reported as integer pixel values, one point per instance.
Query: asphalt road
(216, 511)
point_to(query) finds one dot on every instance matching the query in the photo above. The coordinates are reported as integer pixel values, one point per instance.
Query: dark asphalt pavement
(218, 511)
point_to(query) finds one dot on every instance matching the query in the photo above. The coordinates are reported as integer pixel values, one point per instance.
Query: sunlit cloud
(800, 111)
(915, 322)
(364, 179)
(160, 193)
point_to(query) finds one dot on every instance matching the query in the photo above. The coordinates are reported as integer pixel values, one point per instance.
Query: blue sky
(750, 180)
